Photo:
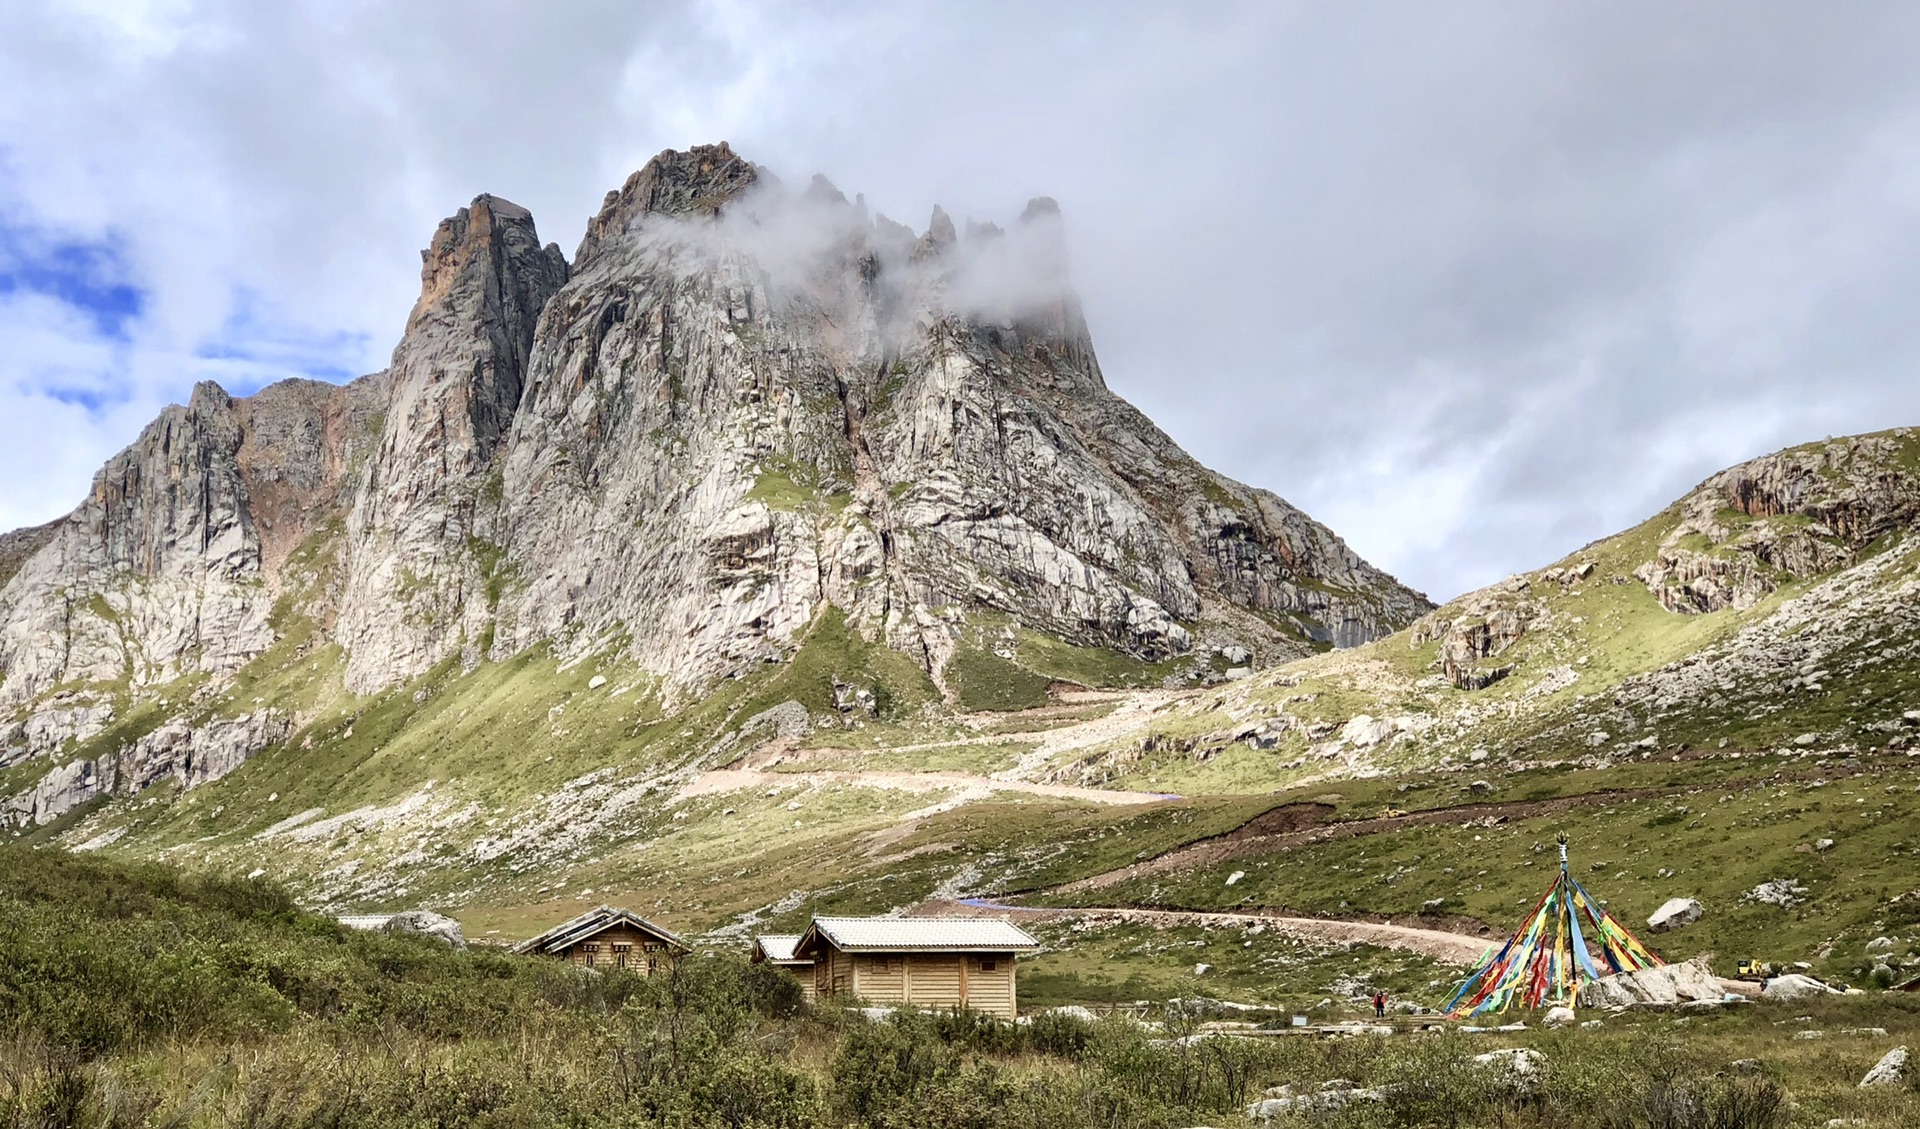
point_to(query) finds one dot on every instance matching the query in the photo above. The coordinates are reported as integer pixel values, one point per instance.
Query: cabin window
(989, 965)
(620, 954)
(591, 953)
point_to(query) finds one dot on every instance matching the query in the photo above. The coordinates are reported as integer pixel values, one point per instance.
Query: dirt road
(1447, 948)
(960, 784)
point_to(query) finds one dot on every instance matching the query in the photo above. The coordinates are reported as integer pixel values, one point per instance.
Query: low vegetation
(140, 995)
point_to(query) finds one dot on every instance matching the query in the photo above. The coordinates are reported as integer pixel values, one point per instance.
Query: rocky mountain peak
(940, 234)
(696, 182)
(488, 249)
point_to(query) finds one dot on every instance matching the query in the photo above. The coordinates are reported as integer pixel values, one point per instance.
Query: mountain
(740, 422)
(767, 557)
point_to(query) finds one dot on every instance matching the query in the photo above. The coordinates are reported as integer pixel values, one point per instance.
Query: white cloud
(1474, 284)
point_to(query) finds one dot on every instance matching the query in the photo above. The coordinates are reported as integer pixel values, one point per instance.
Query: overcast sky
(1472, 283)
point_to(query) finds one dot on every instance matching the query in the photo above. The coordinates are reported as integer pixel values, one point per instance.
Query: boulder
(1560, 1017)
(1794, 986)
(1675, 913)
(1074, 1011)
(1666, 985)
(426, 923)
(1891, 1070)
(1514, 1062)
(1516, 1070)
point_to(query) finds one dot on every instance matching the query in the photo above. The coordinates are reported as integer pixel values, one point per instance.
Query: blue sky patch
(254, 349)
(90, 276)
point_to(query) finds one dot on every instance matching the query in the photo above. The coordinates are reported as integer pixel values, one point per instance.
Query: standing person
(1379, 1004)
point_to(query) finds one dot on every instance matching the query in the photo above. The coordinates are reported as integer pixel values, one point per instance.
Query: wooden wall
(935, 981)
(802, 972)
(643, 952)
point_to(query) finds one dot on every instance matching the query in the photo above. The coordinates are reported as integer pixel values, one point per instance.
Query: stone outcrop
(1790, 515)
(188, 755)
(1794, 986)
(1662, 985)
(1480, 626)
(426, 923)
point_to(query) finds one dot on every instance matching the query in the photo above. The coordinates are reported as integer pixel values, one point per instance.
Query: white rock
(1891, 1070)
(426, 923)
(1520, 1066)
(1781, 892)
(1675, 913)
(1667, 984)
(1235, 877)
(1202, 969)
(1364, 732)
(1794, 986)
(1560, 1017)
(596, 681)
(1880, 945)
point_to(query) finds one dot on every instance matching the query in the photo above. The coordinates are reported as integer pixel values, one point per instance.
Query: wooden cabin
(930, 962)
(608, 938)
(777, 949)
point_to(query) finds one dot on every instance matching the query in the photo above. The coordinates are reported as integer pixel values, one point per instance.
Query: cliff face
(422, 512)
(749, 403)
(738, 405)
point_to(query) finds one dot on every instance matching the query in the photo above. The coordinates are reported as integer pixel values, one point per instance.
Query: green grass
(1090, 666)
(981, 680)
(980, 759)
(1736, 835)
(1109, 962)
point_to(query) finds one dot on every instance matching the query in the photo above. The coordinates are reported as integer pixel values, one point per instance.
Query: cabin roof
(916, 934)
(778, 947)
(597, 920)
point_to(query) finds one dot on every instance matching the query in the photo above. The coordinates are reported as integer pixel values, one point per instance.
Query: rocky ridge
(1771, 608)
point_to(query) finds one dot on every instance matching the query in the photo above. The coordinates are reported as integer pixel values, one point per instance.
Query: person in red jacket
(1380, 1004)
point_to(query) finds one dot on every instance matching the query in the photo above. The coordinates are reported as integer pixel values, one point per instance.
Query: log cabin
(777, 949)
(607, 937)
(930, 962)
